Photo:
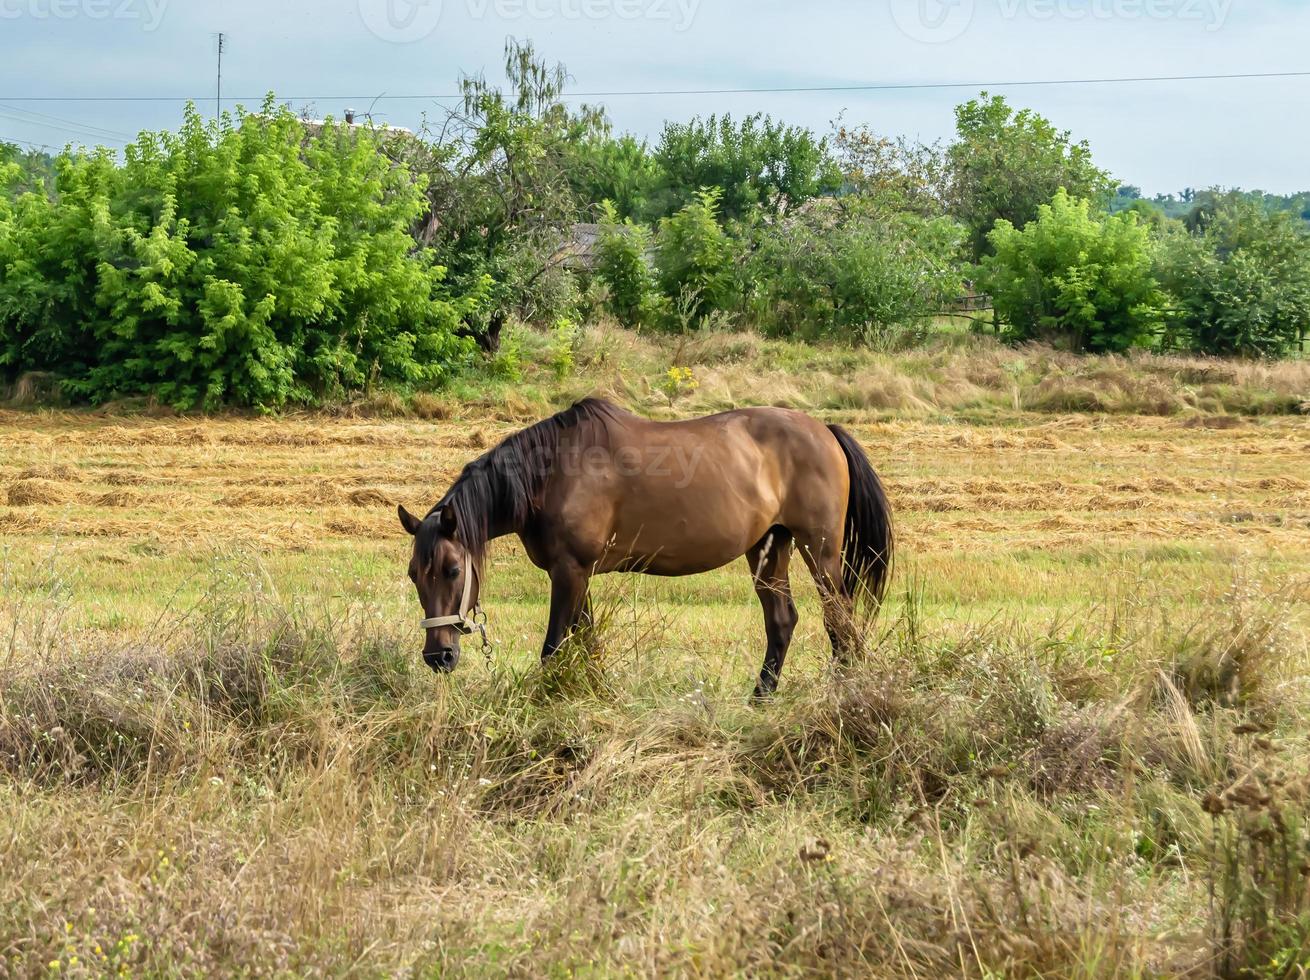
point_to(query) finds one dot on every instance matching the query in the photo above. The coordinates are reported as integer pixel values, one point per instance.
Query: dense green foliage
(1005, 165)
(263, 262)
(621, 264)
(847, 269)
(1241, 281)
(27, 170)
(757, 164)
(1189, 201)
(246, 263)
(694, 257)
(620, 170)
(1070, 277)
(499, 195)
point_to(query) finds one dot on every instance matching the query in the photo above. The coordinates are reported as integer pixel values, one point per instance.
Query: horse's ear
(446, 517)
(408, 521)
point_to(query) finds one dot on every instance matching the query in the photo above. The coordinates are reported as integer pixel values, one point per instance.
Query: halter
(470, 619)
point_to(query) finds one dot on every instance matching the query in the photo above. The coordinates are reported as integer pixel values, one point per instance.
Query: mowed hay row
(1132, 477)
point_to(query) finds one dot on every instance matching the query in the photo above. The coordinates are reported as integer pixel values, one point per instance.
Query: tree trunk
(489, 339)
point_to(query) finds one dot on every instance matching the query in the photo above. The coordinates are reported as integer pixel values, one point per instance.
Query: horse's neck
(498, 528)
(498, 525)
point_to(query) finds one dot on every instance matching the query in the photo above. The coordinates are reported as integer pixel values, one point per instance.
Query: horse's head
(447, 582)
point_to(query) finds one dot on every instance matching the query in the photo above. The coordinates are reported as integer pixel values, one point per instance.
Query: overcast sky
(1160, 135)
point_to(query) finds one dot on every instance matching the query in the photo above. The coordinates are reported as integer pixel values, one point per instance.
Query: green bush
(621, 264)
(251, 264)
(1072, 278)
(846, 271)
(1241, 284)
(694, 257)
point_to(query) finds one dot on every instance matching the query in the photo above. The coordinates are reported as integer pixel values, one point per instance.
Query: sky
(333, 54)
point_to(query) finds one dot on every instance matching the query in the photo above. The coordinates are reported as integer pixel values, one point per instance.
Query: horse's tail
(870, 542)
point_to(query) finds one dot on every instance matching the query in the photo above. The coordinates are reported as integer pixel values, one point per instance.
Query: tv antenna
(218, 97)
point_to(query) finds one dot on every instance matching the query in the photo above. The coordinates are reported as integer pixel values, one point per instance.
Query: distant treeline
(265, 260)
(1189, 205)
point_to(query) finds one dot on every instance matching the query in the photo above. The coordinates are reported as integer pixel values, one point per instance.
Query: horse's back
(683, 497)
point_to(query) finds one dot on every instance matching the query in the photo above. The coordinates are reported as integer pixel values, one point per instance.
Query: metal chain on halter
(480, 622)
(479, 614)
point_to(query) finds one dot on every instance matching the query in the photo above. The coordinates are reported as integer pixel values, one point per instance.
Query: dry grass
(1079, 723)
(256, 788)
(953, 372)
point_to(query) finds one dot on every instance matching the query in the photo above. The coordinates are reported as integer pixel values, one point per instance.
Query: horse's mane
(503, 488)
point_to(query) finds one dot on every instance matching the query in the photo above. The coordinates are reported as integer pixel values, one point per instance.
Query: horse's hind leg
(823, 557)
(769, 561)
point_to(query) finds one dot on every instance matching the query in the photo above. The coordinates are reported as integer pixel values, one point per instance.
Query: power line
(73, 131)
(90, 128)
(43, 147)
(919, 86)
(773, 90)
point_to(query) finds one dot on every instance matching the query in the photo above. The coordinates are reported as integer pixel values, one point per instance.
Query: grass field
(1077, 746)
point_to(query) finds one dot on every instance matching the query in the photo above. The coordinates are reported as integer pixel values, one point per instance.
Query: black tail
(867, 554)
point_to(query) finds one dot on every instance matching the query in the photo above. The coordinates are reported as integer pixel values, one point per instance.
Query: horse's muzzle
(442, 661)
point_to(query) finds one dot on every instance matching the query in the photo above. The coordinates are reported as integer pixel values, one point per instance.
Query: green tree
(501, 201)
(245, 262)
(32, 170)
(1240, 284)
(1075, 278)
(1005, 165)
(850, 269)
(694, 256)
(622, 257)
(896, 173)
(622, 171)
(758, 163)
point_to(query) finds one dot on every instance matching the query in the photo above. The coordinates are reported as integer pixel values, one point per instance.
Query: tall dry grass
(943, 372)
(258, 787)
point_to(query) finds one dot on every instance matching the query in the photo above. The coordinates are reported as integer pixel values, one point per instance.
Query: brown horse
(596, 489)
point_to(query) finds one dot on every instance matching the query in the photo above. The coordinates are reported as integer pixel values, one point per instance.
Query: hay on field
(36, 492)
(123, 479)
(1214, 422)
(14, 523)
(318, 495)
(430, 407)
(370, 497)
(350, 528)
(59, 472)
(120, 498)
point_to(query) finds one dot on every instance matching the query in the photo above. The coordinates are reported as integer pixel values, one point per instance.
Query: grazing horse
(596, 489)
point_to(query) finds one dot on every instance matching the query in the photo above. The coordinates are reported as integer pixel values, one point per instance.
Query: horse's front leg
(568, 602)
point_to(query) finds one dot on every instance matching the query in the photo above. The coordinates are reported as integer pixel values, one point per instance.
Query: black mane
(502, 489)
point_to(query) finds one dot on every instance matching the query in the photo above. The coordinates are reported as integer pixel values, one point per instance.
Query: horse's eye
(452, 572)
